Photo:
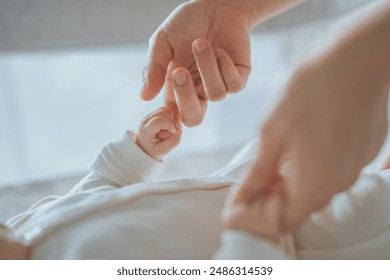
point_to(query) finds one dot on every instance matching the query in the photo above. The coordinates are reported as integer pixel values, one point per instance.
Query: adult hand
(330, 122)
(203, 46)
(261, 216)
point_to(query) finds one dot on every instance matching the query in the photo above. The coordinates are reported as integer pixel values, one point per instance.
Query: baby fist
(159, 133)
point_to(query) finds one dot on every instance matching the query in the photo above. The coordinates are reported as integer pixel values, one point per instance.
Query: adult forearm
(364, 48)
(376, 32)
(259, 10)
(262, 10)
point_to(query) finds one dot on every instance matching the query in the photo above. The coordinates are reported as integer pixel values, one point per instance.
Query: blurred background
(71, 73)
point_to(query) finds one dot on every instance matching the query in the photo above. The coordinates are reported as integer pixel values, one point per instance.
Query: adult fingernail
(143, 91)
(200, 45)
(180, 78)
(144, 78)
(144, 86)
(145, 73)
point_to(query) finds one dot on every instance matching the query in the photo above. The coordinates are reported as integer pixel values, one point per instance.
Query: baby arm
(131, 159)
(158, 133)
(134, 158)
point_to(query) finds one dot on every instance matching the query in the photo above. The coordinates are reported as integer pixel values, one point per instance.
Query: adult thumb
(158, 58)
(264, 172)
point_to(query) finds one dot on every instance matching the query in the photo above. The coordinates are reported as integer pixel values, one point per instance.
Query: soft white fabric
(238, 245)
(116, 212)
(354, 225)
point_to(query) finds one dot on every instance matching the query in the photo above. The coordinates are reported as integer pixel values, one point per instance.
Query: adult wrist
(377, 36)
(252, 9)
(366, 45)
(257, 11)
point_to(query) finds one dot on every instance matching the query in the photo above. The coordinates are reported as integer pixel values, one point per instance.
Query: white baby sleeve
(119, 163)
(355, 224)
(241, 245)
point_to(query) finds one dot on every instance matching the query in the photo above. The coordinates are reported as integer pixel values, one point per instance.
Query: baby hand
(159, 133)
